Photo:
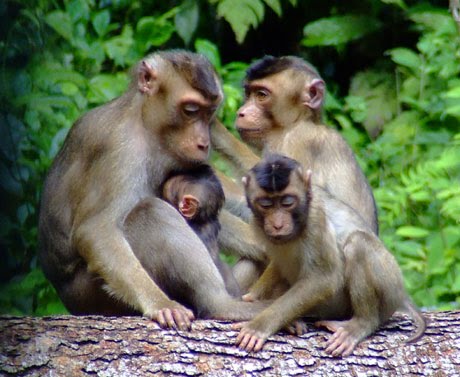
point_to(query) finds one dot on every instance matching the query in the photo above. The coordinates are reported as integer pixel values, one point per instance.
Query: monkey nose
(204, 147)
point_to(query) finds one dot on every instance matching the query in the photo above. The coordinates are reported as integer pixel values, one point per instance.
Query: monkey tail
(419, 319)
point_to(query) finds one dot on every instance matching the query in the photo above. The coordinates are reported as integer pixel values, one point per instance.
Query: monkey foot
(298, 327)
(176, 318)
(249, 339)
(342, 342)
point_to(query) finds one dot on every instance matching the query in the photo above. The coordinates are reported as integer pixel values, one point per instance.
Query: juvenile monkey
(350, 291)
(282, 114)
(107, 242)
(199, 197)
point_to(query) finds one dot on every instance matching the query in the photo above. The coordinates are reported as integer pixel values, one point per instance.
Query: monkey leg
(375, 290)
(179, 263)
(84, 294)
(246, 272)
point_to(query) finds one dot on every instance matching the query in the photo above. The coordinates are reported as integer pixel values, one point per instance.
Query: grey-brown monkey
(351, 290)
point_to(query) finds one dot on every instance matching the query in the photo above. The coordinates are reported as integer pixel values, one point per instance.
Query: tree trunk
(135, 346)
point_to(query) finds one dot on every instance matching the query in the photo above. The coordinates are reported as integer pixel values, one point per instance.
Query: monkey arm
(234, 150)
(268, 282)
(125, 278)
(238, 238)
(301, 299)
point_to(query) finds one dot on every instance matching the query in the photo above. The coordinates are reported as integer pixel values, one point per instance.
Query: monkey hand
(249, 297)
(174, 316)
(249, 338)
(297, 327)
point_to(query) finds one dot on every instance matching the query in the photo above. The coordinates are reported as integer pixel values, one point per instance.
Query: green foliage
(338, 30)
(244, 14)
(414, 163)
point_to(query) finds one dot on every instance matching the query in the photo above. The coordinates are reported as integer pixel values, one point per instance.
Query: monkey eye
(262, 94)
(265, 202)
(288, 201)
(191, 109)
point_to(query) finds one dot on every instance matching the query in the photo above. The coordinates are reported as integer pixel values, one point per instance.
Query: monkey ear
(147, 79)
(313, 94)
(188, 206)
(245, 180)
(307, 179)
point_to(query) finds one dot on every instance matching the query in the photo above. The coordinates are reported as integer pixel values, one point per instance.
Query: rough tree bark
(134, 346)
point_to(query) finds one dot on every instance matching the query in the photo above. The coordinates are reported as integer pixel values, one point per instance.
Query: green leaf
(412, 232)
(104, 87)
(335, 31)
(399, 3)
(78, 10)
(61, 23)
(117, 48)
(241, 15)
(151, 31)
(210, 50)
(275, 5)
(101, 21)
(186, 20)
(406, 58)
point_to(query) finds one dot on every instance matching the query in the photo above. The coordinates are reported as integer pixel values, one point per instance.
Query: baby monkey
(199, 197)
(350, 292)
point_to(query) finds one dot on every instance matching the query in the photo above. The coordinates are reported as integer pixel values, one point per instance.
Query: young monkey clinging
(350, 291)
(199, 197)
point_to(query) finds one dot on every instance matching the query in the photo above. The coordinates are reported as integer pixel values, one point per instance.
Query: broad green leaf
(101, 21)
(151, 31)
(69, 88)
(78, 10)
(335, 31)
(406, 58)
(399, 3)
(275, 5)
(241, 15)
(61, 23)
(453, 93)
(412, 232)
(186, 20)
(117, 48)
(438, 19)
(210, 50)
(104, 87)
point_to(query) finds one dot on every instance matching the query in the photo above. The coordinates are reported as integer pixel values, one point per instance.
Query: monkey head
(278, 193)
(196, 194)
(181, 93)
(278, 93)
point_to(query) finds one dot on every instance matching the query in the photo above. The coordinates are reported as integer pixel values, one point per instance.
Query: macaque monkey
(351, 291)
(107, 242)
(199, 197)
(282, 114)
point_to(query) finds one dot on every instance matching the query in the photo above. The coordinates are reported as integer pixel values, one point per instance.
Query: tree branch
(135, 346)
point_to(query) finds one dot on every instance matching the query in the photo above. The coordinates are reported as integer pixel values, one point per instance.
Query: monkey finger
(169, 318)
(182, 321)
(238, 325)
(251, 344)
(248, 297)
(243, 340)
(259, 344)
(161, 319)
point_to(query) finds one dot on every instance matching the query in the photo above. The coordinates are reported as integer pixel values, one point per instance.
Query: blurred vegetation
(392, 69)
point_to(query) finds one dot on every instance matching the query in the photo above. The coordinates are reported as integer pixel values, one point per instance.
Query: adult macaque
(107, 242)
(199, 197)
(350, 291)
(282, 114)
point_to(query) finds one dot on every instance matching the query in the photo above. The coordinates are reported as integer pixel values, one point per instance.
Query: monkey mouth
(280, 238)
(251, 132)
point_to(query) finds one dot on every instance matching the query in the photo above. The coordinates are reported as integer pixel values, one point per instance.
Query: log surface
(135, 346)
